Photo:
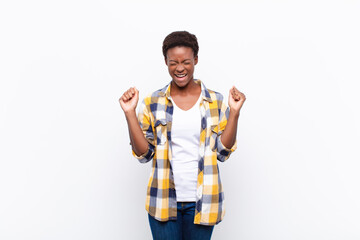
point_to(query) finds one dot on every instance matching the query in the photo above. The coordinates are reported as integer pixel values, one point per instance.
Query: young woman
(184, 128)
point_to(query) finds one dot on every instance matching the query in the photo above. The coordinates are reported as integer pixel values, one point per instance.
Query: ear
(195, 60)
(166, 61)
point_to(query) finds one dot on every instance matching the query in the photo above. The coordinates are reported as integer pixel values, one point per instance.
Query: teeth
(180, 75)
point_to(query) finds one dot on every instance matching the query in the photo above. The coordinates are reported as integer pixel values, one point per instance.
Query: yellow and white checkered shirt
(155, 118)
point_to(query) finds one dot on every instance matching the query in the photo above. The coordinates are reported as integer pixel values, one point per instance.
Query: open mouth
(180, 75)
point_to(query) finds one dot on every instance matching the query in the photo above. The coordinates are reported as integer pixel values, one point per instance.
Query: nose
(180, 68)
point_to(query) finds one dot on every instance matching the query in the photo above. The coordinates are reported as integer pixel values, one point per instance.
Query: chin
(181, 84)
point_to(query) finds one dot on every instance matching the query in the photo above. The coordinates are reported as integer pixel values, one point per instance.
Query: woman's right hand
(128, 101)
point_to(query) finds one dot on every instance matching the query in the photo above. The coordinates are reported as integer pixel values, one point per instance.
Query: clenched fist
(128, 101)
(236, 99)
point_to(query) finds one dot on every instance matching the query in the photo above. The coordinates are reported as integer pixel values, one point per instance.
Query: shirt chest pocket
(161, 131)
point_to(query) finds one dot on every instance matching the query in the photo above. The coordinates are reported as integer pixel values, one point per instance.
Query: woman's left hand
(236, 99)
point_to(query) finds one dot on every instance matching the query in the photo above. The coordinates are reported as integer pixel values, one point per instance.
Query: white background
(66, 170)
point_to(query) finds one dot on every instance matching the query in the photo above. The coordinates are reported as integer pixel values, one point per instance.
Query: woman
(184, 129)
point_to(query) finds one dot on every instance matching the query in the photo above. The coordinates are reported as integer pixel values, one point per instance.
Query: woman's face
(181, 64)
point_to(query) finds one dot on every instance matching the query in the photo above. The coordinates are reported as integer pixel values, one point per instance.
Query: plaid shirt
(155, 118)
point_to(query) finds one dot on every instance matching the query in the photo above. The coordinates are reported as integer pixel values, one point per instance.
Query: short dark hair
(181, 39)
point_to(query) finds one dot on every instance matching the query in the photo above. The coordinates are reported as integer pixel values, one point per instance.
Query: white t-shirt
(185, 140)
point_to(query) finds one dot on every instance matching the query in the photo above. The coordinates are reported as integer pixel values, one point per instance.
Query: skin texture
(184, 91)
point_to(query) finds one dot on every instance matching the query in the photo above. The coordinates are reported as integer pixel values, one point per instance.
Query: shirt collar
(165, 92)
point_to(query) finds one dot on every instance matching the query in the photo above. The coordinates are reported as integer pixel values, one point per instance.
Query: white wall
(66, 171)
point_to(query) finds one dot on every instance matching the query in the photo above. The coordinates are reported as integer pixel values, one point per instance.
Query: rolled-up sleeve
(223, 153)
(148, 131)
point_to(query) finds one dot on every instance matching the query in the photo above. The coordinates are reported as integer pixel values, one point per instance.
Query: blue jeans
(181, 229)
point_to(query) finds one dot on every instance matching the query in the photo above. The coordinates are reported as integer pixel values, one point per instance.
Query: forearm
(138, 141)
(228, 137)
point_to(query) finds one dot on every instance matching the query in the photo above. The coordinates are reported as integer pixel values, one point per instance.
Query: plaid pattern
(155, 118)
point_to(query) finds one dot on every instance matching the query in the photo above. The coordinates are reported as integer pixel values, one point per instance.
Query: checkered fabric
(155, 118)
